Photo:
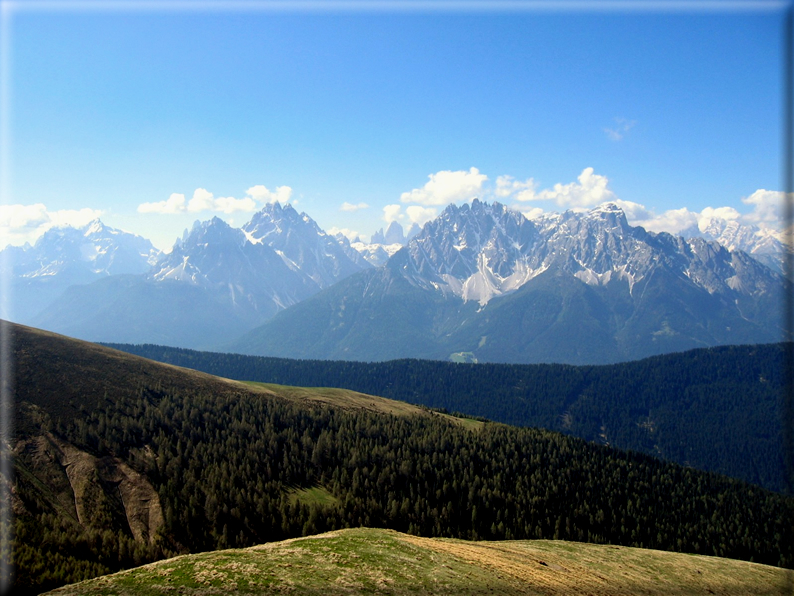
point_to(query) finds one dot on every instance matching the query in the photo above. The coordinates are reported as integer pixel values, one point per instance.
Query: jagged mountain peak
(482, 280)
(274, 221)
(213, 230)
(762, 243)
(66, 255)
(96, 226)
(303, 245)
(479, 251)
(100, 248)
(609, 213)
(472, 250)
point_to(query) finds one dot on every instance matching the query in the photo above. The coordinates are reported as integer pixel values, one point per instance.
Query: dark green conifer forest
(716, 409)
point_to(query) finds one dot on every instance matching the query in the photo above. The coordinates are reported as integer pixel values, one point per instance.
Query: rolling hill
(370, 561)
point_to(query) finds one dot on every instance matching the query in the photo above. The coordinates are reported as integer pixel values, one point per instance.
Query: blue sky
(364, 116)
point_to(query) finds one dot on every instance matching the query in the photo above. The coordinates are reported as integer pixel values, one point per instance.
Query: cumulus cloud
(767, 207)
(231, 205)
(676, 221)
(351, 235)
(282, 194)
(589, 191)
(392, 213)
(507, 186)
(420, 215)
(728, 213)
(673, 221)
(174, 204)
(23, 216)
(351, 207)
(204, 200)
(26, 223)
(446, 187)
(622, 126)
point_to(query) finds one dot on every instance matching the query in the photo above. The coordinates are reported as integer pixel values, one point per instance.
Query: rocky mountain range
(67, 256)
(762, 244)
(480, 282)
(217, 282)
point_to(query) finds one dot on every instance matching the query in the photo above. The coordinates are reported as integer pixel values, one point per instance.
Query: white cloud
(589, 191)
(392, 213)
(23, 216)
(202, 200)
(351, 235)
(282, 194)
(446, 187)
(507, 186)
(634, 211)
(26, 223)
(174, 204)
(767, 212)
(230, 205)
(676, 221)
(767, 208)
(532, 212)
(420, 215)
(728, 213)
(673, 221)
(622, 127)
(351, 207)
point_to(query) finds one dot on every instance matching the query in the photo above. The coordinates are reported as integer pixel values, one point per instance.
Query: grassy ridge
(369, 561)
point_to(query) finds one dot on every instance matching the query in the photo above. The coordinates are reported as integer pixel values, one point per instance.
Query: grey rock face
(216, 283)
(483, 281)
(482, 251)
(762, 244)
(67, 256)
(302, 245)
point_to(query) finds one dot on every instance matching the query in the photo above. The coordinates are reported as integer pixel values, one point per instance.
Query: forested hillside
(120, 460)
(715, 409)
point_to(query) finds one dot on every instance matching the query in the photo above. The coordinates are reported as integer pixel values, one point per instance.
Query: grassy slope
(369, 561)
(97, 363)
(348, 399)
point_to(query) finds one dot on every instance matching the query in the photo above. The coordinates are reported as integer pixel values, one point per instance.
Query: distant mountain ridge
(65, 256)
(303, 245)
(480, 282)
(382, 245)
(217, 283)
(483, 282)
(762, 244)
